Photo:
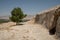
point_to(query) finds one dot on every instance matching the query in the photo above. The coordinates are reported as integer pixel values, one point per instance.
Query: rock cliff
(50, 19)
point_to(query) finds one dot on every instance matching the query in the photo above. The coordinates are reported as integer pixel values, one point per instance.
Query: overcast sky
(28, 6)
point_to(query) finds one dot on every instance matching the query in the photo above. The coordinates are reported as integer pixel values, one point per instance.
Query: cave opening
(52, 31)
(54, 24)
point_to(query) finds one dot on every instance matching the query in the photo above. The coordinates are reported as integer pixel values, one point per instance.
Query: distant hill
(4, 17)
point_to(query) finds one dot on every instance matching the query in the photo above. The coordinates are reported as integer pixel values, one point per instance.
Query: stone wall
(50, 19)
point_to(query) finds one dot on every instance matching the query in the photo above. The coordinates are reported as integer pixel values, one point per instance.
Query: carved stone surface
(50, 19)
(58, 27)
(45, 19)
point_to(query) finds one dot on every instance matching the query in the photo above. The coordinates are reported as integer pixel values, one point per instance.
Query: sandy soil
(28, 31)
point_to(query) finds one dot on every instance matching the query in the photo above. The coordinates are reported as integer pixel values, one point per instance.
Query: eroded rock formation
(50, 19)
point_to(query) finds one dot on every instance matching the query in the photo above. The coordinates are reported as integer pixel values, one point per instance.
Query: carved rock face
(58, 27)
(50, 20)
(45, 19)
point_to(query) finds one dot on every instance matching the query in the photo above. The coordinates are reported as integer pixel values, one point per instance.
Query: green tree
(17, 15)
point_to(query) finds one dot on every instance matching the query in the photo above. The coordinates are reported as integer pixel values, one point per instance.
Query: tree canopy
(17, 15)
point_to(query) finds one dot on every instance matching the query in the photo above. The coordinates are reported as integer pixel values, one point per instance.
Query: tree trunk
(17, 23)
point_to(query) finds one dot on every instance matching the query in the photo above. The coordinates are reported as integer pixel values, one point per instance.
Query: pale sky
(30, 7)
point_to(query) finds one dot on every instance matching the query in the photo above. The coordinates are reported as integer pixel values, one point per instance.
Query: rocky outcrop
(50, 19)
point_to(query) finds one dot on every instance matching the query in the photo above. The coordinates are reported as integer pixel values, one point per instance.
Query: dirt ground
(27, 31)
